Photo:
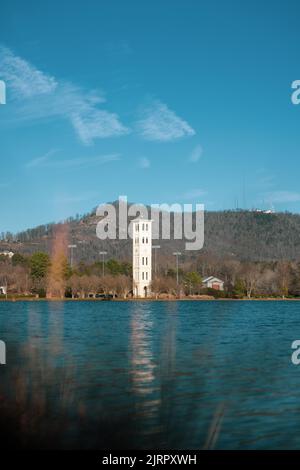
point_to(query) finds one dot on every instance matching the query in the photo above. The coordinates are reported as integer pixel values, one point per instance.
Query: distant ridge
(238, 234)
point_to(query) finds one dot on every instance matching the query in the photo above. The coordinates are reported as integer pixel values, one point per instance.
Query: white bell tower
(142, 257)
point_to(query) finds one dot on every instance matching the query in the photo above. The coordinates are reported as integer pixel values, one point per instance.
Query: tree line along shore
(38, 276)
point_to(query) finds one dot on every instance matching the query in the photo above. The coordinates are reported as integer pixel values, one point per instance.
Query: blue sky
(164, 101)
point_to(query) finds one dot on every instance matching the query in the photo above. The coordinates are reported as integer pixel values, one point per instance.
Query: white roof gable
(212, 279)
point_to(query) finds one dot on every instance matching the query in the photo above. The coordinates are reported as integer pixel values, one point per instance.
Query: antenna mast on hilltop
(244, 194)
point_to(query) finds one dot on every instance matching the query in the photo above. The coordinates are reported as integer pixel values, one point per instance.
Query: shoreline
(269, 299)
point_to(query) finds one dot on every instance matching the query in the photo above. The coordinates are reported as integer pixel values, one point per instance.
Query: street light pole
(71, 248)
(155, 248)
(103, 253)
(6, 288)
(177, 253)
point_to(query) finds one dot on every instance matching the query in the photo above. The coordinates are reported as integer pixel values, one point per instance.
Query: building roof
(212, 278)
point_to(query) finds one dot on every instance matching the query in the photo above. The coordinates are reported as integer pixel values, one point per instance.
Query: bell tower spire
(142, 257)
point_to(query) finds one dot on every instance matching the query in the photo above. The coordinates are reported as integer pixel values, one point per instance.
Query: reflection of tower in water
(152, 367)
(143, 369)
(142, 361)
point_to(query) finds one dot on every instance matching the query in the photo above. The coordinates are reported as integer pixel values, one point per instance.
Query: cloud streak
(37, 96)
(23, 78)
(39, 161)
(46, 162)
(144, 162)
(97, 124)
(196, 154)
(159, 123)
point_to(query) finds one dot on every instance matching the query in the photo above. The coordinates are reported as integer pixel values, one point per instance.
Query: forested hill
(242, 235)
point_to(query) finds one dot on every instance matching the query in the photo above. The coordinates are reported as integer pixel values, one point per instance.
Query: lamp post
(6, 283)
(103, 253)
(155, 248)
(72, 248)
(177, 254)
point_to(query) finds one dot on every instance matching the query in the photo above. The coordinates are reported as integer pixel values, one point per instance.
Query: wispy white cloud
(47, 162)
(39, 161)
(159, 123)
(97, 124)
(144, 162)
(196, 154)
(39, 96)
(194, 193)
(23, 78)
(281, 196)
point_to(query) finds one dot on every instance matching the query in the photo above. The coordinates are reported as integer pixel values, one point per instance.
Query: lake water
(187, 375)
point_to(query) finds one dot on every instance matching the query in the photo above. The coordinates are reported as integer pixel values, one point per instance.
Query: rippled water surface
(151, 374)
